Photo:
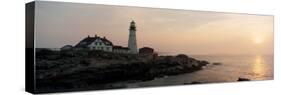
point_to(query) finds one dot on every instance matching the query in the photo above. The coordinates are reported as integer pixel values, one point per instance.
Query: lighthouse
(132, 43)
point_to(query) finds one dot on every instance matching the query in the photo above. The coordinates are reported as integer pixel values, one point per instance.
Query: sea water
(231, 67)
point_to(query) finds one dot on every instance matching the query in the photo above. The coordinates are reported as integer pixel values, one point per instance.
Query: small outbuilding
(120, 49)
(146, 51)
(67, 47)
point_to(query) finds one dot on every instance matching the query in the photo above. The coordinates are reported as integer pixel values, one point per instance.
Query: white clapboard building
(95, 43)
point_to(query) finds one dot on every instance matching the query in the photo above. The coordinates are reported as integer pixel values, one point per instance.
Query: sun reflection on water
(258, 66)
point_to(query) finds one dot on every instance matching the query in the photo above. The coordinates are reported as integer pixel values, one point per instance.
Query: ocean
(254, 67)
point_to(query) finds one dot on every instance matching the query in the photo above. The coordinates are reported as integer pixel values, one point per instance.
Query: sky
(166, 30)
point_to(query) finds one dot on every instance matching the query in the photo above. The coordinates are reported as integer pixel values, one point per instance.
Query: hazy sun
(258, 40)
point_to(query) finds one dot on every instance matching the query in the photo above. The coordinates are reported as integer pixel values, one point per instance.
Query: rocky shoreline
(70, 70)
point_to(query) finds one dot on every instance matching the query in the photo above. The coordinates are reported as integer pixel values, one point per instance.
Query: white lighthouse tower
(132, 43)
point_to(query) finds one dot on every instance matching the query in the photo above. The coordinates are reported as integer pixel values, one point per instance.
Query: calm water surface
(257, 67)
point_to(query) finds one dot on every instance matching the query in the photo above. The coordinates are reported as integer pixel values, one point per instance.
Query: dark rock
(243, 79)
(85, 62)
(182, 56)
(217, 63)
(194, 82)
(67, 53)
(204, 62)
(114, 68)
